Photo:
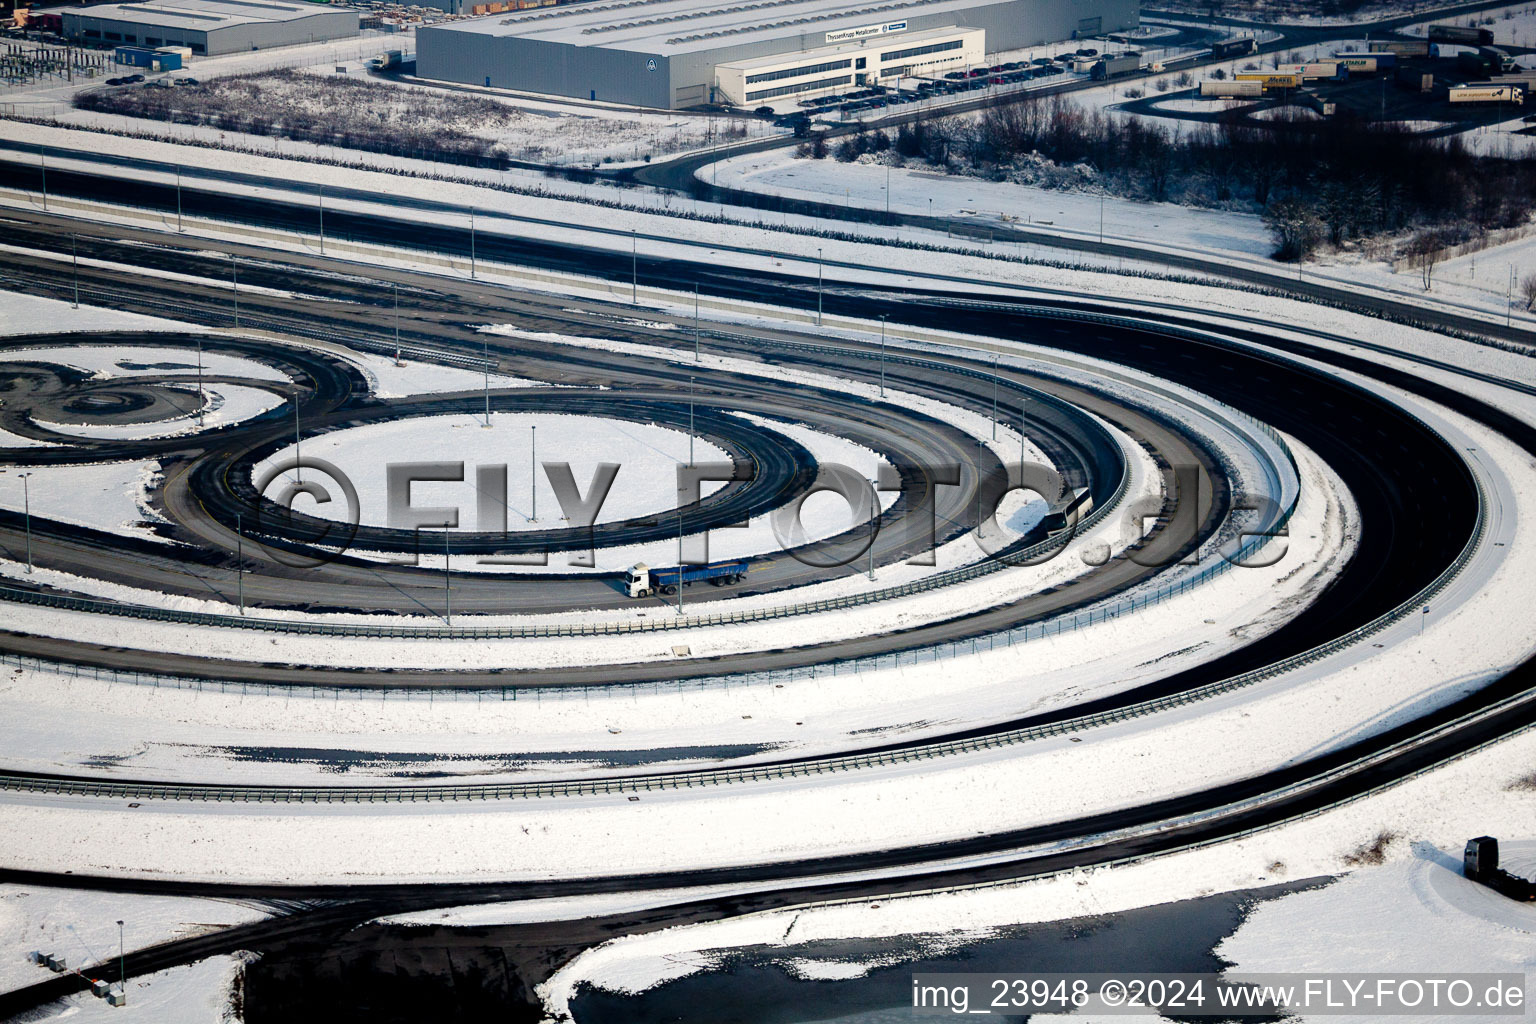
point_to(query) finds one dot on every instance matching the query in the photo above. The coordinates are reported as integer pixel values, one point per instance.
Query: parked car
(186, 81)
(1041, 61)
(131, 79)
(1088, 52)
(114, 81)
(760, 111)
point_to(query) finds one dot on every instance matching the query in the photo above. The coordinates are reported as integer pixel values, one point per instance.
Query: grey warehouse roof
(685, 26)
(200, 14)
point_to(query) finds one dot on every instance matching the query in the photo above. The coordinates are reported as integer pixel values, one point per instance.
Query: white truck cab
(639, 583)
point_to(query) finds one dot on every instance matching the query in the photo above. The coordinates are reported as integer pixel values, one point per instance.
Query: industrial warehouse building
(208, 26)
(682, 53)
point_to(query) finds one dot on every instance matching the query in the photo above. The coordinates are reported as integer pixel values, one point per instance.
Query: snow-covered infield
(647, 455)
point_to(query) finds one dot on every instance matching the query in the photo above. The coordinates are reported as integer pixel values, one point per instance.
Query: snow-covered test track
(813, 728)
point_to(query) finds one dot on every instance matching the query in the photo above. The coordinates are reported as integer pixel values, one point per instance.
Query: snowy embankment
(757, 247)
(1238, 239)
(1413, 914)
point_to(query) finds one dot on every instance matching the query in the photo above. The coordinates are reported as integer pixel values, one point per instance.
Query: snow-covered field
(226, 404)
(919, 191)
(112, 496)
(33, 314)
(648, 457)
(103, 362)
(81, 926)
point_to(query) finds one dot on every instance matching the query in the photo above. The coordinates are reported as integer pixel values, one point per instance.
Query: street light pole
(298, 454)
(485, 351)
(122, 965)
(447, 582)
(874, 526)
(26, 498)
(240, 562)
(882, 353)
(1023, 429)
(533, 472)
(994, 396)
(818, 286)
(202, 400)
(395, 285)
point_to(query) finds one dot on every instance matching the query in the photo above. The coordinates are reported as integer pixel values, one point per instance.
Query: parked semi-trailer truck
(1366, 63)
(1464, 34)
(1501, 58)
(1486, 93)
(1212, 89)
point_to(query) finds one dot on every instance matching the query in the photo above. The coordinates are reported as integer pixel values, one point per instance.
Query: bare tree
(1528, 290)
(1295, 225)
(1424, 251)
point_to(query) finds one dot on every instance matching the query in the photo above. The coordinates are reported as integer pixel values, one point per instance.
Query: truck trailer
(1270, 79)
(1327, 70)
(643, 581)
(1476, 65)
(1239, 47)
(1366, 63)
(1212, 89)
(1111, 67)
(1486, 93)
(1407, 49)
(1463, 34)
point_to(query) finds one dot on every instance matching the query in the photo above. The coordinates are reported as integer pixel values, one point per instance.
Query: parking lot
(915, 90)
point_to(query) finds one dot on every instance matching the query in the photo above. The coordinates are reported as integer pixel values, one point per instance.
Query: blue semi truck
(643, 581)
